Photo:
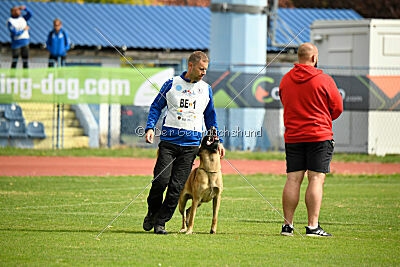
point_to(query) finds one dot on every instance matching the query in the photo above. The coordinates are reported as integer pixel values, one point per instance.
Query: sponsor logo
(262, 94)
(71, 88)
(188, 92)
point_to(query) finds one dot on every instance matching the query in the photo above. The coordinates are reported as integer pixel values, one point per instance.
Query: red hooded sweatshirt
(311, 101)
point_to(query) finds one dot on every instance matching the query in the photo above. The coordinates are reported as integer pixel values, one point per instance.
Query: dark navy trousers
(169, 175)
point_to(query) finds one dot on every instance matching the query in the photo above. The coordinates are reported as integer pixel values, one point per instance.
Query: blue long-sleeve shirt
(58, 43)
(173, 135)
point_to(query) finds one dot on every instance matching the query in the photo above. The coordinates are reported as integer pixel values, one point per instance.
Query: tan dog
(204, 183)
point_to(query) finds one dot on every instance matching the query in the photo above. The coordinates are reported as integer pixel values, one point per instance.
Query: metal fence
(370, 122)
(250, 121)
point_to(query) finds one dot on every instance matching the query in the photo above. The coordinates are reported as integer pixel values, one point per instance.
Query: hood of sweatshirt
(302, 73)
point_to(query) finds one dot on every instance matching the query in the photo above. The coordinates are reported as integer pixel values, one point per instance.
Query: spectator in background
(19, 31)
(58, 44)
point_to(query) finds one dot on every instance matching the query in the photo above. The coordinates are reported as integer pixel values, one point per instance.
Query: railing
(248, 107)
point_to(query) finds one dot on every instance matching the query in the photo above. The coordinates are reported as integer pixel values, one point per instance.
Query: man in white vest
(189, 103)
(19, 32)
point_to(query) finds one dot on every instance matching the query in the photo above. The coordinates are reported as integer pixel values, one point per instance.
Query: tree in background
(283, 3)
(366, 8)
(185, 2)
(139, 2)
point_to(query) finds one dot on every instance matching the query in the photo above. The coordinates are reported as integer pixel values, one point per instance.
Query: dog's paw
(189, 232)
(182, 231)
(213, 232)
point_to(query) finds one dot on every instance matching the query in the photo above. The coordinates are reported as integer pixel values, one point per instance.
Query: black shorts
(313, 156)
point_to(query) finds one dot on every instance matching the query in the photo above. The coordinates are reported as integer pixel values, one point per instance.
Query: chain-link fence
(249, 111)
(250, 114)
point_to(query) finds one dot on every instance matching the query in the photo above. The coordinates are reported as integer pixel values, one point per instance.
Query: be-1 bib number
(184, 103)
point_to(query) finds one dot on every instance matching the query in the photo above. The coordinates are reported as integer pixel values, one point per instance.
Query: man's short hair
(57, 20)
(198, 56)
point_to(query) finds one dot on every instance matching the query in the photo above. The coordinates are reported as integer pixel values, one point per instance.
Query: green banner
(73, 85)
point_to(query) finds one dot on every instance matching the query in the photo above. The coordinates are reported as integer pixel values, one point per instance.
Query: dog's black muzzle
(214, 146)
(211, 140)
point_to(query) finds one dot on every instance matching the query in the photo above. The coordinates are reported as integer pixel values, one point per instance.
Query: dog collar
(209, 171)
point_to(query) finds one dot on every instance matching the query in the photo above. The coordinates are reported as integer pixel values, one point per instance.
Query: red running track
(99, 166)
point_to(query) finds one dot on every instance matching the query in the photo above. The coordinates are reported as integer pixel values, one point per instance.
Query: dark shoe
(316, 232)
(287, 230)
(160, 230)
(148, 222)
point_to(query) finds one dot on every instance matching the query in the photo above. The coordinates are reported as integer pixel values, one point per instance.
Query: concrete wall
(88, 122)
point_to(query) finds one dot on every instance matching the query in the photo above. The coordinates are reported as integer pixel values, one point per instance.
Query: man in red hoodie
(311, 101)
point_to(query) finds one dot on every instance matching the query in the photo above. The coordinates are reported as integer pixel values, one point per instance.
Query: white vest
(19, 24)
(186, 104)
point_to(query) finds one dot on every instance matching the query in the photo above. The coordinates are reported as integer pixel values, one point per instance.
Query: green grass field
(151, 153)
(54, 220)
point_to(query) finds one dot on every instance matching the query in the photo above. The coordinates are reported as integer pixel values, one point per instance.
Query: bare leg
(290, 196)
(216, 204)
(314, 196)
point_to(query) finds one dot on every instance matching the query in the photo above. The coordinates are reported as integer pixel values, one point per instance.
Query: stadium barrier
(248, 107)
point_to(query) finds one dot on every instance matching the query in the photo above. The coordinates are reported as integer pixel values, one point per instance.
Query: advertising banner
(127, 86)
(359, 92)
(72, 85)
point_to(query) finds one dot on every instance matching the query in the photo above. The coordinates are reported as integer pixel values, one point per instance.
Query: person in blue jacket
(189, 103)
(19, 32)
(58, 44)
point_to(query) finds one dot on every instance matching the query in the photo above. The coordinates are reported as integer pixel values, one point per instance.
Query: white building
(371, 51)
